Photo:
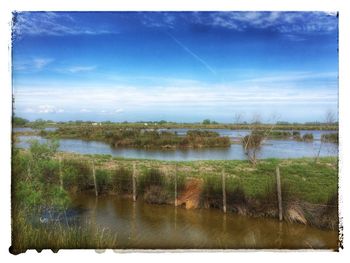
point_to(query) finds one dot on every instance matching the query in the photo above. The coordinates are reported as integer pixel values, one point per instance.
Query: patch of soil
(190, 197)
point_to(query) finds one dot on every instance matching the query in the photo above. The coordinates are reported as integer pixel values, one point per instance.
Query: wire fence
(180, 185)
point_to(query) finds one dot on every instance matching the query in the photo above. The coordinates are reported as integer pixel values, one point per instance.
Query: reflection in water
(140, 225)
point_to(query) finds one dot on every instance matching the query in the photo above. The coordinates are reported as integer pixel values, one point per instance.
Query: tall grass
(58, 236)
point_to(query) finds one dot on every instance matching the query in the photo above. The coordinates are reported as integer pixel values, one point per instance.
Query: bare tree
(238, 118)
(329, 120)
(253, 141)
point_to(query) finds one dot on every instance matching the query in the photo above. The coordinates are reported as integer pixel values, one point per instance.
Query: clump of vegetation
(308, 137)
(57, 236)
(122, 181)
(17, 121)
(296, 136)
(132, 137)
(77, 175)
(330, 137)
(279, 134)
(153, 185)
(212, 192)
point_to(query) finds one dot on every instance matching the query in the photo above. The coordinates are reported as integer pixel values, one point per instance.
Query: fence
(172, 184)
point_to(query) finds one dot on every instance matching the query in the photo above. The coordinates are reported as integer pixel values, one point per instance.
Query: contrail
(205, 64)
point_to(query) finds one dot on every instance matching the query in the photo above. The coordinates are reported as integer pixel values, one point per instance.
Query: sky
(175, 66)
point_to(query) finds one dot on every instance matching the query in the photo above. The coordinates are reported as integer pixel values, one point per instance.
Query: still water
(141, 225)
(270, 149)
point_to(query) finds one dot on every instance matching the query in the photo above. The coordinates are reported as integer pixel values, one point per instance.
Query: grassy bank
(42, 179)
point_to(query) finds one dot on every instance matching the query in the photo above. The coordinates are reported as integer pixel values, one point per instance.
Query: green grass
(309, 181)
(58, 236)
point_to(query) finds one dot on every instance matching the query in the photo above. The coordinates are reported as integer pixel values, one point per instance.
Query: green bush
(77, 174)
(308, 137)
(103, 181)
(330, 137)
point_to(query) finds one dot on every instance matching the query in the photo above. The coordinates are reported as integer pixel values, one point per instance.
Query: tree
(253, 141)
(329, 120)
(206, 121)
(17, 121)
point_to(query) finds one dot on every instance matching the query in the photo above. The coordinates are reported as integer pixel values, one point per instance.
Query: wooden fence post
(134, 182)
(223, 191)
(94, 176)
(60, 171)
(279, 193)
(175, 187)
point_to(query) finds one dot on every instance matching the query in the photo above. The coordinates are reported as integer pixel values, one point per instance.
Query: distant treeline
(17, 121)
(38, 124)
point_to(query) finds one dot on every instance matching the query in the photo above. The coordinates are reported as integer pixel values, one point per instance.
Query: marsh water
(270, 149)
(141, 225)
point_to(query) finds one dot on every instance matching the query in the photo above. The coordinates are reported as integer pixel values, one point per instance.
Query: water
(270, 149)
(141, 225)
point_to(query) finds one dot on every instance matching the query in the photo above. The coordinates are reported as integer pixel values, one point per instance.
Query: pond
(270, 149)
(141, 225)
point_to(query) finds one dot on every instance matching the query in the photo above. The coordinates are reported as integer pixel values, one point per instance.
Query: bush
(43, 151)
(152, 177)
(103, 181)
(156, 194)
(77, 174)
(308, 137)
(330, 137)
(252, 141)
(122, 181)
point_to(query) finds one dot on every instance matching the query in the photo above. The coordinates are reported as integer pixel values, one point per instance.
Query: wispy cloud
(96, 98)
(290, 77)
(283, 22)
(191, 53)
(51, 23)
(36, 63)
(78, 69)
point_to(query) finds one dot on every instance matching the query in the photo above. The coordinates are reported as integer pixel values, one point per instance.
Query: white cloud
(131, 99)
(45, 108)
(78, 69)
(36, 63)
(51, 23)
(39, 63)
(285, 22)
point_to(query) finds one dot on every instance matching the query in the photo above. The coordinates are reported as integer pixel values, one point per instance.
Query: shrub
(308, 137)
(152, 177)
(330, 137)
(103, 181)
(77, 174)
(122, 181)
(156, 194)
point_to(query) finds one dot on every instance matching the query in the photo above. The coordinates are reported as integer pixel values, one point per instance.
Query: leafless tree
(329, 120)
(257, 134)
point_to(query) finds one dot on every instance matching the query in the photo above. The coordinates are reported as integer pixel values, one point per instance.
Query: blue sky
(176, 66)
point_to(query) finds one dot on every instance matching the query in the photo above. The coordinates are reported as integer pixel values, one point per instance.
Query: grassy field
(310, 181)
